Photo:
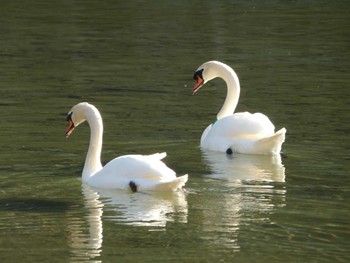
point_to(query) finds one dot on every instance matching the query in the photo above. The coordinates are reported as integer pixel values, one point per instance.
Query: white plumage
(236, 132)
(138, 172)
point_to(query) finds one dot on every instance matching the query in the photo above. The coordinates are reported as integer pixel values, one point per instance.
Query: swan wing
(245, 133)
(244, 125)
(146, 171)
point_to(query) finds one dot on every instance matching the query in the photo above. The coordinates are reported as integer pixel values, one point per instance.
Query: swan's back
(244, 125)
(145, 171)
(245, 133)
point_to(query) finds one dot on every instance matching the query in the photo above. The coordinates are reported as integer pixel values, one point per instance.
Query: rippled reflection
(86, 234)
(244, 167)
(152, 209)
(149, 209)
(247, 190)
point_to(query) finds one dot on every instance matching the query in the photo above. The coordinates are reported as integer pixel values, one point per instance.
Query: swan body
(241, 132)
(138, 172)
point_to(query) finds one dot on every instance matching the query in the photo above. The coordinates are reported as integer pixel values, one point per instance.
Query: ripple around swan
(139, 209)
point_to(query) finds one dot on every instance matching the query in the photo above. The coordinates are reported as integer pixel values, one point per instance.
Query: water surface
(135, 61)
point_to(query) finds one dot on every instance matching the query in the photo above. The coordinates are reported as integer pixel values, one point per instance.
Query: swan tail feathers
(158, 156)
(273, 143)
(174, 185)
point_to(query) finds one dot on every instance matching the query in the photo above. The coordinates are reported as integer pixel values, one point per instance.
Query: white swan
(241, 132)
(135, 172)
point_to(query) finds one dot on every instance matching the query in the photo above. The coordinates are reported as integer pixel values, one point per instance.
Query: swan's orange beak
(70, 128)
(198, 85)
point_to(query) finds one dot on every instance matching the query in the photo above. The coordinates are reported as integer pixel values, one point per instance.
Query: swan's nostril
(198, 85)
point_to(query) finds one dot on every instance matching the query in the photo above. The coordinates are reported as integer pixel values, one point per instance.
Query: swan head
(76, 116)
(206, 72)
(203, 74)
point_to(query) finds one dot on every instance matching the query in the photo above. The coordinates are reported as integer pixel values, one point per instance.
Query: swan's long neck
(233, 90)
(93, 157)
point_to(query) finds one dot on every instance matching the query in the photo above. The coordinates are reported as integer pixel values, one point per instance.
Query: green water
(135, 61)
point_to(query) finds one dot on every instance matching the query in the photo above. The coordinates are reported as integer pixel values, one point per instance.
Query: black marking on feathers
(133, 186)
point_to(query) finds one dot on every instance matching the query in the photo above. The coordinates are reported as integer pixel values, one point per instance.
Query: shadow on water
(33, 205)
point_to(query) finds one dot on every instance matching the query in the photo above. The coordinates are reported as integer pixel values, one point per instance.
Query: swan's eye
(199, 73)
(69, 117)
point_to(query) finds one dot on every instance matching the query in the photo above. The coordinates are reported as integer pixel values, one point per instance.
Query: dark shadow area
(33, 205)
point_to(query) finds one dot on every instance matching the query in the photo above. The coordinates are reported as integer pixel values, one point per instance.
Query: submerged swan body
(241, 132)
(135, 172)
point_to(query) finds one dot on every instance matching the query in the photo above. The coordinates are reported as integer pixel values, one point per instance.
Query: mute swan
(135, 172)
(241, 132)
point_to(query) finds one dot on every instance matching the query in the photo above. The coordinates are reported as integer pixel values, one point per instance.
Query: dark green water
(135, 61)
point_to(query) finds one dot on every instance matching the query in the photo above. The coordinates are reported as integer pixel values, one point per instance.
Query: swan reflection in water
(243, 167)
(245, 190)
(149, 209)
(86, 232)
(152, 209)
